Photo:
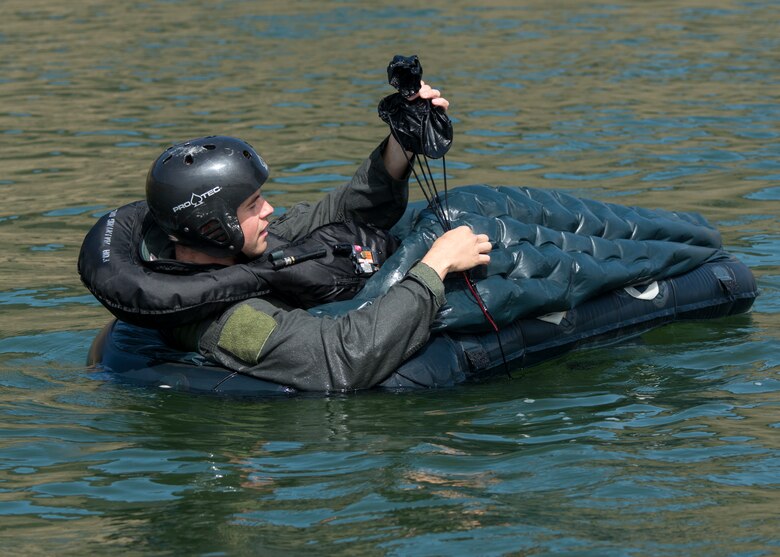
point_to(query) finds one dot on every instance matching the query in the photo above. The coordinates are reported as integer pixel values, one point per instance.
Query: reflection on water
(664, 446)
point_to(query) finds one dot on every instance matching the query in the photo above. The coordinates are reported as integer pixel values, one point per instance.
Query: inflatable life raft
(720, 287)
(564, 273)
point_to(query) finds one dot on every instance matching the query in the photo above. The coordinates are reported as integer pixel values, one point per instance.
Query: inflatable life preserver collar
(166, 293)
(111, 267)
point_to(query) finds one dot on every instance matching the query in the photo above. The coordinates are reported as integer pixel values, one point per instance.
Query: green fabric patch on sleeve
(245, 332)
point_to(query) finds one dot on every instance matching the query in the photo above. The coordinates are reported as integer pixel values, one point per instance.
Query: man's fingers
(442, 102)
(434, 95)
(483, 243)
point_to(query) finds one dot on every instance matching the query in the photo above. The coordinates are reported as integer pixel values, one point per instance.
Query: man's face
(253, 214)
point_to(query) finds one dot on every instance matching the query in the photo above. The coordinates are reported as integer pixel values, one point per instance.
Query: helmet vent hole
(188, 159)
(213, 231)
(247, 155)
(210, 147)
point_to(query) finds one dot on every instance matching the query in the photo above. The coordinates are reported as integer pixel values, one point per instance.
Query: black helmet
(195, 188)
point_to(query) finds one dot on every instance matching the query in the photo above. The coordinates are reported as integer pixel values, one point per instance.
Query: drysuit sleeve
(371, 197)
(353, 351)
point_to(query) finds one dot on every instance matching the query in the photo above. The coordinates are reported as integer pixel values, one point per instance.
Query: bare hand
(458, 249)
(426, 92)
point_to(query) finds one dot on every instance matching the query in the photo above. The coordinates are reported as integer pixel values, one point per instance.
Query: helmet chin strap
(188, 254)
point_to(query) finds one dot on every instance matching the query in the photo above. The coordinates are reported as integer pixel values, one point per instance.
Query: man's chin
(255, 252)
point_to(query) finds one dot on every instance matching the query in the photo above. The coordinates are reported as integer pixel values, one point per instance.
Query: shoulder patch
(245, 332)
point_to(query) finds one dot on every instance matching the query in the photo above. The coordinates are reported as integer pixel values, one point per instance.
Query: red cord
(480, 302)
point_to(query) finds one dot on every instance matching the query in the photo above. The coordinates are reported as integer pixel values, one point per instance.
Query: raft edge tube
(133, 359)
(715, 289)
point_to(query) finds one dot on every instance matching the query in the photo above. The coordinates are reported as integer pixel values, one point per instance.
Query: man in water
(205, 195)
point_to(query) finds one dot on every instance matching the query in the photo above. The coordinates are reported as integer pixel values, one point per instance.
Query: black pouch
(418, 126)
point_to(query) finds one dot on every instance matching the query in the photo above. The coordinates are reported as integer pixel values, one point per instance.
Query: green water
(667, 445)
